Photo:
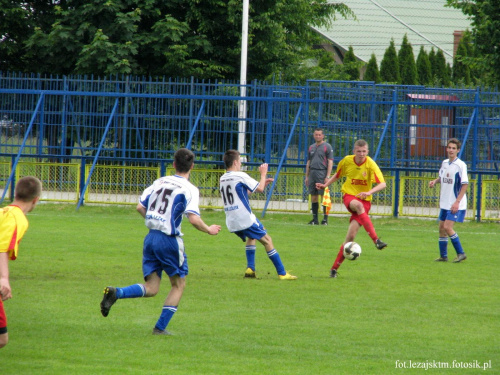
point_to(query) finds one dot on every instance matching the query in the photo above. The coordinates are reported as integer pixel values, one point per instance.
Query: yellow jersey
(359, 178)
(13, 225)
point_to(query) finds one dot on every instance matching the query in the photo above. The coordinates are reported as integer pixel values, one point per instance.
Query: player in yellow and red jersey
(361, 173)
(13, 225)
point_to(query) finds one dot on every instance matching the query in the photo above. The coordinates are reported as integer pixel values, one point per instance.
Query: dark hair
(230, 156)
(455, 141)
(319, 130)
(28, 188)
(184, 160)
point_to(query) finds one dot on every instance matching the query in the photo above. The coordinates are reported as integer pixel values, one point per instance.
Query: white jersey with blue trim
(167, 200)
(234, 187)
(453, 175)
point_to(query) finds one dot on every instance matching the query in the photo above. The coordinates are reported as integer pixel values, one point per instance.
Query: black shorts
(315, 176)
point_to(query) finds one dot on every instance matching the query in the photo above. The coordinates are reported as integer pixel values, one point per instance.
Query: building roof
(427, 23)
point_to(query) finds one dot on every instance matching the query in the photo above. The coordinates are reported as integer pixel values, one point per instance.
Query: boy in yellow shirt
(361, 172)
(13, 225)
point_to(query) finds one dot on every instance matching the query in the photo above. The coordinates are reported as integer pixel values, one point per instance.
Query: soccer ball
(352, 250)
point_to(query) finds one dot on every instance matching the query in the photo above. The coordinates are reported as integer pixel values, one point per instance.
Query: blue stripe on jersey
(178, 207)
(242, 191)
(458, 184)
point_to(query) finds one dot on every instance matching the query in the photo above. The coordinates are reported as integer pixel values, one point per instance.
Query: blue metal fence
(133, 119)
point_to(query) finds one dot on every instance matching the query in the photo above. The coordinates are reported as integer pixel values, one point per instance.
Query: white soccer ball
(352, 250)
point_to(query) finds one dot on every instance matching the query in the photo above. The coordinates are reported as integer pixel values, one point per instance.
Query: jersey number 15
(161, 198)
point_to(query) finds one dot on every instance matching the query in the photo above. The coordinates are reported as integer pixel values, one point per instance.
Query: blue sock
(250, 252)
(443, 247)
(456, 243)
(275, 258)
(166, 314)
(132, 291)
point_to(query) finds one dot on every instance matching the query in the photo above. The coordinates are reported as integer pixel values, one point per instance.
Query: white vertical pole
(242, 105)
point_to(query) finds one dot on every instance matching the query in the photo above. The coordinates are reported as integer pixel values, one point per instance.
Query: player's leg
(443, 240)
(450, 232)
(171, 257)
(4, 339)
(250, 254)
(171, 303)
(361, 209)
(274, 256)
(350, 236)
(4, 335)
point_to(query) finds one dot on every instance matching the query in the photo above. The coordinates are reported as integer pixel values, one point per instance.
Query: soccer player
(234, 188)
(318, 169)
(453, 201)
(163, 205)
(13, 226)
(361, 173)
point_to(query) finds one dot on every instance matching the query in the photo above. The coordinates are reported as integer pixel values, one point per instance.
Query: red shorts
(3, 319)
(347, 200)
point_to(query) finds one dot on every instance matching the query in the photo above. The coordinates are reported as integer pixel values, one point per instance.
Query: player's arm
(380, 186)
(141, 209)
(461, 193)
(434, 182)
(327, 182)
(264, 181)
(5, 291)
(197, 222)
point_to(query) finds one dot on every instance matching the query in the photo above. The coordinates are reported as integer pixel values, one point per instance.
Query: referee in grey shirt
(318, 169)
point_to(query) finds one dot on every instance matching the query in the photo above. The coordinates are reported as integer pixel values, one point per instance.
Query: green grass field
(386, 309)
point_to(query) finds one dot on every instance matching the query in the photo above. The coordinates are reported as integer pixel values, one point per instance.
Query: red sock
(367, 224)
(340, 258)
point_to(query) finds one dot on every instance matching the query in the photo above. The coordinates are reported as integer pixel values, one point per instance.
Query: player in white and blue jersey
(163, 205)
(240, 220)
(453, 200)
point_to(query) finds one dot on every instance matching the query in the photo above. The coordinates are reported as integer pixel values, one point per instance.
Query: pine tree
(461, 71)
(423, 67)
(407, 66)
(372, 73)
(351, 65)
(439, 69)
(389, 66)
(432, 60)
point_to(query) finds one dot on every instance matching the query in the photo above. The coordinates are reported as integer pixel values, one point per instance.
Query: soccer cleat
(334, 274)
(159, 332)
(250, 273)
(313, 222)
(459, 258)
(441, 259)
(380, 245)
(287, 276)
(324, 222)
(108, 300)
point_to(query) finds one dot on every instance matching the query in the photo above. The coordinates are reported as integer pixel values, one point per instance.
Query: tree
(389, 66)
(351, 65)
(423, 67)
(17, 22)
(485, 16)
(441, 75)
(407, 66)
(432, 61)
(461, 71)
(372, 73)
(173, 38)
